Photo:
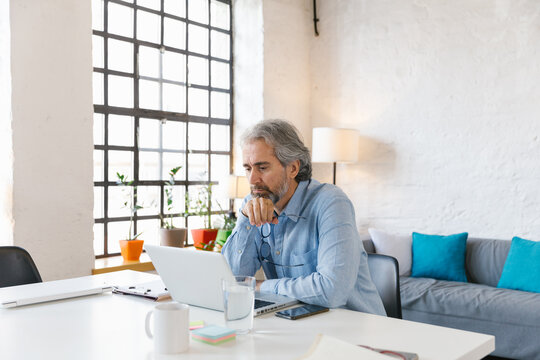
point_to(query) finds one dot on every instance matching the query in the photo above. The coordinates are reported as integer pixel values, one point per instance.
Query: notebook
(14, 296)
(194, 277)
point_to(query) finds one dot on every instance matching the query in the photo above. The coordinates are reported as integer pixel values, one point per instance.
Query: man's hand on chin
(258, 286)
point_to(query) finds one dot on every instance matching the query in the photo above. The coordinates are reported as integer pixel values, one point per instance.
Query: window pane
(121, 130)
(149, 165)
(220, 75)
(98, 239)
(198, 70)
(148, 27)
(120, 20)
(120, 91)
(97, 87)
(198, 102)
(174, 33)
(149, 133)
(99, 129)
(174, 66)
(98, 202)
(220, 137)
(178, 201)
(148, 198)
(219, 13)
(172, 160)
(149, 230)
(149, 97)
(220, 105)
(97, 51)
(98, 165)
(176, 7)
(118, 195)
(120, 56)
(220, 168)
(198, 167)
(194, 222)
(97, 15)
(148, 61)
(122, 162)
(118, 230)
(220, 45)
(198, 39)
(174, 135)
(152, 4)
(174, 98)
(198, 136)
(198, 11)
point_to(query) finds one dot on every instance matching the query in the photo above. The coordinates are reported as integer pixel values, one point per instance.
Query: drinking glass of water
(239, 300)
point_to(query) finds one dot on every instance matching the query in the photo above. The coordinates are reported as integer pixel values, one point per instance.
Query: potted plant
(203, 239)
(131, 247)
(229, 222)
(169, 234)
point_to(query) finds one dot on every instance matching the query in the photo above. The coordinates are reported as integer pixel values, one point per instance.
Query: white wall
(447, 98)
(248, 40)
(52, 134)
(287, 36)
(6, 148)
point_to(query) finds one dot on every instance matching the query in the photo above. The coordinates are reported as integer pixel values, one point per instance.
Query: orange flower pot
(204, 239)
(131, 249)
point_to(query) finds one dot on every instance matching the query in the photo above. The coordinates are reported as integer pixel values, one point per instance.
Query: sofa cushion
(398, 246)
(513, 316)
(522, 267)
(439, 257)
(485, 260)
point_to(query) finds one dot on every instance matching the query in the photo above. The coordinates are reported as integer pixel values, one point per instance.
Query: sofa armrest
(368, 244)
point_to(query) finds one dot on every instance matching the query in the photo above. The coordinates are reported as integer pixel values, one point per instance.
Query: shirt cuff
(269, 286)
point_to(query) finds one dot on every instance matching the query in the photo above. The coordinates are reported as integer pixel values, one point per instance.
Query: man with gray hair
(302, 232)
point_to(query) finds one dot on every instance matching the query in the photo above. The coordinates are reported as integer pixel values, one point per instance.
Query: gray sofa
(512, 316)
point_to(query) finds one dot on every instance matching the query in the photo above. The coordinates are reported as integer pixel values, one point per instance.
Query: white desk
(111, 326)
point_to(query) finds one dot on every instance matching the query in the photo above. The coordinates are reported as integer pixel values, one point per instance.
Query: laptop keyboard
(262, 303)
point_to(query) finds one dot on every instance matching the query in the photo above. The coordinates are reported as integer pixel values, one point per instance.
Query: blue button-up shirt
(316, 230)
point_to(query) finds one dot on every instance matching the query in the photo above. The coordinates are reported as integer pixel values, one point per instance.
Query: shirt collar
(294, 206)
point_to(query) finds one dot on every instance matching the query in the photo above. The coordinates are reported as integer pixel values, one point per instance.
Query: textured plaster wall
(446, 96)
(287, 37)
(51, 64)
(248, 41)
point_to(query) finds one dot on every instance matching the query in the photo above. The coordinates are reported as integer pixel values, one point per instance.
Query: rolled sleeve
(240, 250)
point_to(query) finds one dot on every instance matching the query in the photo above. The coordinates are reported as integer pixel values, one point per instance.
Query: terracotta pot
(173, 237)
(131, 249)
(204, 239)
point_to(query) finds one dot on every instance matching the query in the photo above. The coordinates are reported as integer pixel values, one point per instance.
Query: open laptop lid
(192, 277)
(14, 296)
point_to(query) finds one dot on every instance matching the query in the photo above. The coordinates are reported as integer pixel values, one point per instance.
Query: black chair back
(384, 272)
(17, 267)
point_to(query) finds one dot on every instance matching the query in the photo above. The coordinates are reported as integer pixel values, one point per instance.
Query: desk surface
(111, 326)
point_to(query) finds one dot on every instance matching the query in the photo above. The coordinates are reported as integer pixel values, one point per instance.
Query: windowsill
(117, 263)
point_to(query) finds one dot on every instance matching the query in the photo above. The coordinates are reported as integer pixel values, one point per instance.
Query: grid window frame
(105, 110)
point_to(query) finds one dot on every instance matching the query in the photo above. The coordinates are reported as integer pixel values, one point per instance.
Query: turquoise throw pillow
(521, 270)
(439, 257)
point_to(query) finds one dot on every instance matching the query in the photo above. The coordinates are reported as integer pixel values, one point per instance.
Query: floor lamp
(333, 145)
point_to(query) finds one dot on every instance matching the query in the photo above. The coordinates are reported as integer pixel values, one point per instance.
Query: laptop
(15, 296)
(194, 277)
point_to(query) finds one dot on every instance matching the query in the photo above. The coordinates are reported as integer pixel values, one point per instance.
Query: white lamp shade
(335, 145)
(237, 187)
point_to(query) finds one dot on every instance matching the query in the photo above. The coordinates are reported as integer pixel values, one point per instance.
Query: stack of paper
(327, 347)
(213, 335)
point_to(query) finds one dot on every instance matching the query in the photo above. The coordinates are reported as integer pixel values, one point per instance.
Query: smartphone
(301, 311)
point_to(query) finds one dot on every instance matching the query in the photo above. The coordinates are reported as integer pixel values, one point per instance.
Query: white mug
(171, 328)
